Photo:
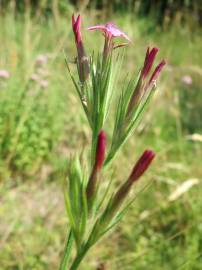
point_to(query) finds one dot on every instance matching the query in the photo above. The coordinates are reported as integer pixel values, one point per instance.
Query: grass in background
(40, 127)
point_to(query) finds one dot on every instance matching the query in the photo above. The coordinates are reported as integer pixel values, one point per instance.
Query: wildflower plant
(92, 213)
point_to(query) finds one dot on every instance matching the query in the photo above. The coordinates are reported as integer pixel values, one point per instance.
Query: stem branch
(67, 252)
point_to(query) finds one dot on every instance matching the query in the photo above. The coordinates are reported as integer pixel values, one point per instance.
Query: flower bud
(157, 72)
(100, 150)
(140, 167)
(148, 62)
(99, 159)
(83, 63)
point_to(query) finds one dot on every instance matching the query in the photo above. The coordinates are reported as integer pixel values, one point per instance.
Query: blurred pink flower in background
(34, 77)
(4, 74)
(44, 84)
(41, 59)
(187, 79)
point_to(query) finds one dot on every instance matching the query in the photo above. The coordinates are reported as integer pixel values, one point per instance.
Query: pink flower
(34, 77)
(110, 31)
(4, 74)
(187, 79)
(41, 59)
(83, 64)
(141, 165)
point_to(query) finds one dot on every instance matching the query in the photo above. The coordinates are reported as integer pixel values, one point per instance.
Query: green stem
(93, 147)
(67, 252)
(79, 258)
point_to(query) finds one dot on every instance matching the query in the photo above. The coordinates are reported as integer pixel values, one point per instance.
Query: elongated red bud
(82, 59)
(157, 71)
(141, 165)
(148, 62)
(99, 159)
(76, 26)
(100, 150)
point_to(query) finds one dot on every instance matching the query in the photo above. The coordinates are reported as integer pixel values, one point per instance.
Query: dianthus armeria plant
(92, 211)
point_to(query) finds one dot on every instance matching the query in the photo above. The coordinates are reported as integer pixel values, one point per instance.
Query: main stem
(67, 252)
(79, 258)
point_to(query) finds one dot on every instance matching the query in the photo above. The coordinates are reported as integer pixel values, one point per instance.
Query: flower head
(110, 31)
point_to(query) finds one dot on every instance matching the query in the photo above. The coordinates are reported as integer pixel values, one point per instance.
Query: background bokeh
(42, 124)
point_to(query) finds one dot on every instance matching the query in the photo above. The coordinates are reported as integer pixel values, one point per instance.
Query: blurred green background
(42, 124)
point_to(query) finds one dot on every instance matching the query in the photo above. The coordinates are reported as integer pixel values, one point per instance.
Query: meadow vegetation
(42, 124)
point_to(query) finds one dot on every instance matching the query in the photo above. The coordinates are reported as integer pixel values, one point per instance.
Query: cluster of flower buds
(144, 84)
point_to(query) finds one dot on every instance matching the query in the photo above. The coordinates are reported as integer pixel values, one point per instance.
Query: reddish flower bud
(157, 71)
(100, 151)
(76, 26)
(99, 159)
(148, 62)
(141, 165)
(82, 60)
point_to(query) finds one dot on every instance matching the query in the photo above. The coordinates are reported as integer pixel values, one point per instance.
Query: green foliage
(155, 234)
(189, 98)
(164, 13)
(29, 108)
